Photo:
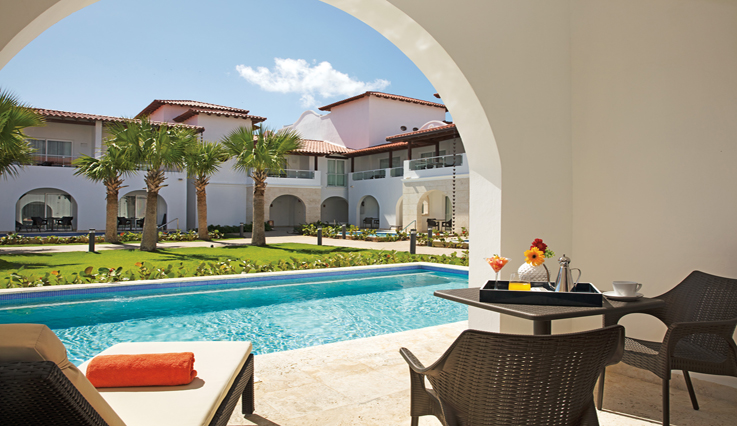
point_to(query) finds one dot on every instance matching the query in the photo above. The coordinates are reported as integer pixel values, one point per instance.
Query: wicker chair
(701, 315)
(499, 379)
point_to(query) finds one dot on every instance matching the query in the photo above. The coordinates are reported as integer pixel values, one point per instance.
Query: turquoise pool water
(275, 315)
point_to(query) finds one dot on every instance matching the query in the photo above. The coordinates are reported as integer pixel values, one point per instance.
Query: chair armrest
(414, 363)
(613, 319)
(679, 330)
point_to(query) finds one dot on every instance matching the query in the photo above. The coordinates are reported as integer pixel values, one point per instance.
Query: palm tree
(15, 150)
(256, 153)
(108, 169)
(202, 160)
(153, 148)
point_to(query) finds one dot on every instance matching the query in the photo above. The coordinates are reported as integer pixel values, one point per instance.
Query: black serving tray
(583, 295)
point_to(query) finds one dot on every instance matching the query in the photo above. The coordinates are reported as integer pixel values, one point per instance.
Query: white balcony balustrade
(435, 166)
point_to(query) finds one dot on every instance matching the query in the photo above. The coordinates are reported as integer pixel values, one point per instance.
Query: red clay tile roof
(377, 149)
(153, 106)
(386, 96)
(195, 111)
(420, 134)
(310, 146)
(78, 116)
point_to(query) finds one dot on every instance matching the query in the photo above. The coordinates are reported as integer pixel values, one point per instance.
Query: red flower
(539, 244)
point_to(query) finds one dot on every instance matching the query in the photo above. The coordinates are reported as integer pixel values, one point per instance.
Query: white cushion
(217, 365)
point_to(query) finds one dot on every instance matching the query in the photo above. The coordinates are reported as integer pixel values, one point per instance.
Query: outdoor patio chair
(502, 379)
(38, 222)
(123, 222)
(433, 224)
(448, 225)
(367, 222)
(38, 384)
(66, 221)
(19, 226)
(701, 315)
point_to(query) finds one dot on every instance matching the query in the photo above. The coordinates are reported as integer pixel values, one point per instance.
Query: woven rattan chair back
(497, 379)
(38, 393)
(701, 297)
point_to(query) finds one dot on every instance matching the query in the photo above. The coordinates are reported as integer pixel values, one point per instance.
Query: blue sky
(276, 58)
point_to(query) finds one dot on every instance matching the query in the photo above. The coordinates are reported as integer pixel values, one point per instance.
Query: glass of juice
(516, 283)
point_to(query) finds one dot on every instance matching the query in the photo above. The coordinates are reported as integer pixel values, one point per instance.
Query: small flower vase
(531, 273)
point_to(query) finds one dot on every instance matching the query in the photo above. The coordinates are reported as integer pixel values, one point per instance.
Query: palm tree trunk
(258, 235)
(111, 216)
(200, 189)
(154, 179)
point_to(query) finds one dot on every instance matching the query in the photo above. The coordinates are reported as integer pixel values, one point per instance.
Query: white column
(97, 148)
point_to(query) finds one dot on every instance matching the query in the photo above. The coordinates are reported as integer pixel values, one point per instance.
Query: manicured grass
(70, 262)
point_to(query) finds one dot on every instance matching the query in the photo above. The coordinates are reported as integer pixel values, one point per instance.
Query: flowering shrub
(146, 271)
(123, 237)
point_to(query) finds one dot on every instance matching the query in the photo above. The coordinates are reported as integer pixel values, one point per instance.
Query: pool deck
(366, 382)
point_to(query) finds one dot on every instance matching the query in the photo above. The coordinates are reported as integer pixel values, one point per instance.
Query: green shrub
(235, 229)
(146, 271)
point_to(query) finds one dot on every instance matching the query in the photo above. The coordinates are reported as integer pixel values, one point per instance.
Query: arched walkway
(334, 210)
(48, 204)
(287, 210)
(132, 206)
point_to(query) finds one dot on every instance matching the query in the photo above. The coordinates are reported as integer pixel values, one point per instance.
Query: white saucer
(614, 296)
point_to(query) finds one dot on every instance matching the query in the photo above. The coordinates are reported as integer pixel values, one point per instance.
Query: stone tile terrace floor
(366, 382)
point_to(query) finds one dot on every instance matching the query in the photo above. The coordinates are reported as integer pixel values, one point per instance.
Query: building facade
(374, 160)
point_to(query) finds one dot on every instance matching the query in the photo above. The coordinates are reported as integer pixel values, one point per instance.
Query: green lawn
(71, 262)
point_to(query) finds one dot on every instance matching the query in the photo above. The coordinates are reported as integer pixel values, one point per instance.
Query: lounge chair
(490, 378)
(38, 384)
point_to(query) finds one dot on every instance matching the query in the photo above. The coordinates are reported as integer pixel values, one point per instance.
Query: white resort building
(375, 160)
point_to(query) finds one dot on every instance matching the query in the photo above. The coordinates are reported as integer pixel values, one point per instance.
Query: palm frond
(15, 151)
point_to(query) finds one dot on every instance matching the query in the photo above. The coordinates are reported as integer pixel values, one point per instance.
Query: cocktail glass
(497, 263)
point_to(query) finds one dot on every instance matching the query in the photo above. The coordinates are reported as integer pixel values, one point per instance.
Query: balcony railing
(337, 179)
(370, 174)
(53, 160)
(436, 162)
(292, 174)
(397, 172)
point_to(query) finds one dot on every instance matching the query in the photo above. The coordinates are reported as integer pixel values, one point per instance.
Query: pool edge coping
(17, 294)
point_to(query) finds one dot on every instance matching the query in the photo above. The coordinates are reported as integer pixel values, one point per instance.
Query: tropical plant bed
(123, 237)
(28, 270)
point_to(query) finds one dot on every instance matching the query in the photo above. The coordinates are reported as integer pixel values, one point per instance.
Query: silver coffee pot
(565, 282)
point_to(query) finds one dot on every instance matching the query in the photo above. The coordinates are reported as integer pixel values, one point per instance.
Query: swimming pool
(276, 313)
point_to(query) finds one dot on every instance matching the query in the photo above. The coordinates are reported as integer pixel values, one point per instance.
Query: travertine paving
(365, 382)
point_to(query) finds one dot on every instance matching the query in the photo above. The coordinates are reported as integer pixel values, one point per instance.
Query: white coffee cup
(626, 288)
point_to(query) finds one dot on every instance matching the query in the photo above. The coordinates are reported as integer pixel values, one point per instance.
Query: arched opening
(369, 213)
(132, 206)
(287, 210)
(46, 209)
(433, 208)
(334, 210)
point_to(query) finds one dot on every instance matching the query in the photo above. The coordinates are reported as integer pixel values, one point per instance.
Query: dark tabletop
(470, 296)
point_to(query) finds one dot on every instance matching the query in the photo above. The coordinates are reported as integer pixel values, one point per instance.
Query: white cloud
(311, 81)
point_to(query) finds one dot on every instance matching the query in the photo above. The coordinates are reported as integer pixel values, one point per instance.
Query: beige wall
(415, 191)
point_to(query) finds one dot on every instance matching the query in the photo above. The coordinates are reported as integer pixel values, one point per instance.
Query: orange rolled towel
(171, 369)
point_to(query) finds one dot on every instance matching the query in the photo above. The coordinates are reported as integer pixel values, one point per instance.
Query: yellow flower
(534, 256)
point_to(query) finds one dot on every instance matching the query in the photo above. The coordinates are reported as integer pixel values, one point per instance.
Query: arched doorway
(433, 205)
(334, 210)
(49, 204)
(287, 210)
(132, 206)
(369, 213)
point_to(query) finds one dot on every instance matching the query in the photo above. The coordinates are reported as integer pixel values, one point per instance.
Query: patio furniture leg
(691, 392)
(415, 421)
(666, 402)
(600, 394)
